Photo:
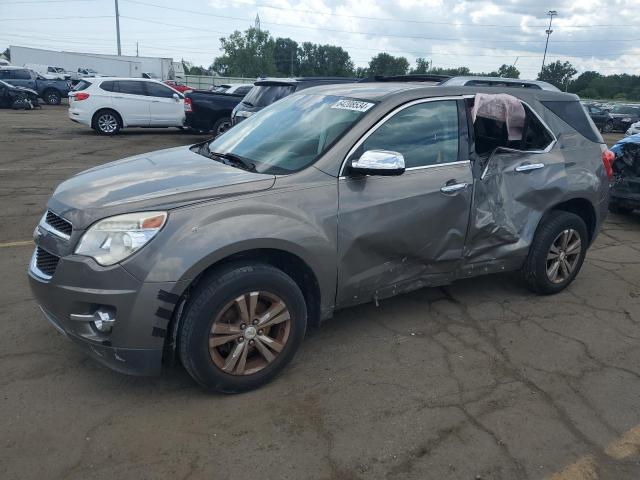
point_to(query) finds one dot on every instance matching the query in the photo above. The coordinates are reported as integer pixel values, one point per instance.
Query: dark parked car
(223, 252)
(17, 97)
(208, 111)
(624, 115)
(51, 91)
(625, 188)
(602, 118)
(268, 90)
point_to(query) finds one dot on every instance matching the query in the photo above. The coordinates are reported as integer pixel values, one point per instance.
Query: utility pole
(551, 14)
(291, 74)
(118, 27)
(137, 51)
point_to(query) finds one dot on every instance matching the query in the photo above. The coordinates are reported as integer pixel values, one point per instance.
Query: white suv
(108, 104)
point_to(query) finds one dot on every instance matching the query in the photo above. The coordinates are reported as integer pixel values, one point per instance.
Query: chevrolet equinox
(220, 254)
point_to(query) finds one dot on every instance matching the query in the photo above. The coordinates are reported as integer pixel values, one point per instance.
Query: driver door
(403, 232)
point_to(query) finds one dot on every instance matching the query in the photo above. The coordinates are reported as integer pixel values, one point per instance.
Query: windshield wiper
(235, 160)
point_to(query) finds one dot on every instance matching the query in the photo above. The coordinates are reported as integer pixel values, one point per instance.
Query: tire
(217, 301)
(608, 127)
(618, 209)
(107, 122)
(52, 97)
(535, 270)
(220, 126)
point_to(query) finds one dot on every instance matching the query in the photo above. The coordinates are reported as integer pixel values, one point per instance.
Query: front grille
(46, 262)
(58, 223)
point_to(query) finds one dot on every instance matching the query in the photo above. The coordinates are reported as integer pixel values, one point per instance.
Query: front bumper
(80, 287)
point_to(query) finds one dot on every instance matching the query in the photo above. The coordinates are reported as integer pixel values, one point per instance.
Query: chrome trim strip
(43, 223)
(33, 267)
(529, 167)
(384, 119)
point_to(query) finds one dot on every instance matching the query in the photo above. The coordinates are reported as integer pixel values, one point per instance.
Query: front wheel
(241, 327)
(556, 253)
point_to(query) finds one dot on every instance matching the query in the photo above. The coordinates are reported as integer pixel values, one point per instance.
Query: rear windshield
(81, 85)
(574, 114)
(263, 95)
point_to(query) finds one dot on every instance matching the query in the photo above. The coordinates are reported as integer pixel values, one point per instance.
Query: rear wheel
(242, 326)
(107, 122)
(556, 253)
(221, 126)
(52, 97)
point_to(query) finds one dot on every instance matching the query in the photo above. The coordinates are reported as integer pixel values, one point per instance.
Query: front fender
(199, 236)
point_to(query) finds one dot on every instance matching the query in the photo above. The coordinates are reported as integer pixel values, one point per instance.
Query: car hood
(24, 89)
(163, 179)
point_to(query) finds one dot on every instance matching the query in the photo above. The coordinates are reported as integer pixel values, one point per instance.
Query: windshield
(263, 95)
(626, 110)
(292, 133)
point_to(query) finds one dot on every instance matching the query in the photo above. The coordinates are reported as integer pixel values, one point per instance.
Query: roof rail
(415, 77)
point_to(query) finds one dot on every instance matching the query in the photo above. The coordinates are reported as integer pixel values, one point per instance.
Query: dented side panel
(400, 233)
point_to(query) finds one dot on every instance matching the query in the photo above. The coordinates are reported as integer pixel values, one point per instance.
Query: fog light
(104, 322)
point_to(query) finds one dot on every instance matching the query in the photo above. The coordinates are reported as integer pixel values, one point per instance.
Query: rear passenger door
(131, 101)
(164, 109)
(516, 185)
(397, 233)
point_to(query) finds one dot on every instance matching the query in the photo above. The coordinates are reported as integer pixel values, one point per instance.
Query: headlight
(626, 119)
(113, 239)
(244, 114)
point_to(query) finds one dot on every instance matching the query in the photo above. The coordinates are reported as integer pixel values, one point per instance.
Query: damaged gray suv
(220, 254)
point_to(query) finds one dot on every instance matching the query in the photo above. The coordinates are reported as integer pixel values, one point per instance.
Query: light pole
(118, 27)
(551, 14)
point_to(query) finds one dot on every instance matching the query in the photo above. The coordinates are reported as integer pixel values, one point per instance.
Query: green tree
(422, 66)
(286, 56)
(324, 60)
(558, 73)
(508, 71)
(385, 64)
(453, 71)
(248, 54)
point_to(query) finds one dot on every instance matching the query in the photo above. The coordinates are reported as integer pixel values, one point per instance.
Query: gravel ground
(477, 380)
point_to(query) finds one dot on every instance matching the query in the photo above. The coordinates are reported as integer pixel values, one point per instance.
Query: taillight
(80, 96)
(188, 106)
(607, 160)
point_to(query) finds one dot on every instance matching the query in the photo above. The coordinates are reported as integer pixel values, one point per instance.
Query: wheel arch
(580, 207)
(105, 109)
(290, 263)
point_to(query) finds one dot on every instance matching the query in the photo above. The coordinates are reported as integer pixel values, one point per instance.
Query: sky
(602, 35)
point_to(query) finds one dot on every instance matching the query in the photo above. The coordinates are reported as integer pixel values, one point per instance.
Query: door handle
(527, 167)
(454, 187)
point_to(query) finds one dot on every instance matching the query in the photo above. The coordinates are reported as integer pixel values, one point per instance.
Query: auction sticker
(355, 105)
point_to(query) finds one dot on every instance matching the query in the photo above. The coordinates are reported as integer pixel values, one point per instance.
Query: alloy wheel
(249, 333)
(223, 127)
(563, 255)
(107, 123)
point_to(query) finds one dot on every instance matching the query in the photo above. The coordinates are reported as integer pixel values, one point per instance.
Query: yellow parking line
(586, 468)
(22, 243)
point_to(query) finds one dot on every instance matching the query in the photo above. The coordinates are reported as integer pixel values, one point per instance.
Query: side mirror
(378, 162)
(176, 97)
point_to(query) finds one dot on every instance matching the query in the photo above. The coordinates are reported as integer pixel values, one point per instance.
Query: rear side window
(17, 74)
(132, 87)
(573, 114)
(109, 86)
